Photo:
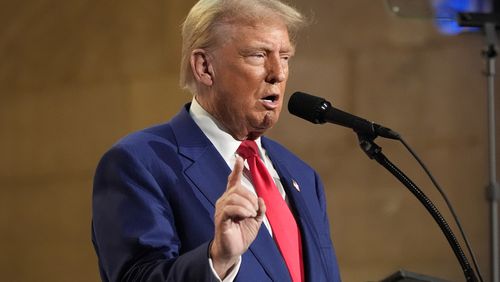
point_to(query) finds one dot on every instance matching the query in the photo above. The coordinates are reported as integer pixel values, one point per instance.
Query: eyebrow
(267, 48)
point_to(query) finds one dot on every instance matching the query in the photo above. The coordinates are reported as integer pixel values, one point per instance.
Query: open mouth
(270, 98)
(270, 102)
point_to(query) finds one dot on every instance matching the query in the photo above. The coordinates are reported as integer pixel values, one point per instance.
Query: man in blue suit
(177, 202)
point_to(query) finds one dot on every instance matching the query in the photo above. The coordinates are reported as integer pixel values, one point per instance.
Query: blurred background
(75, 76)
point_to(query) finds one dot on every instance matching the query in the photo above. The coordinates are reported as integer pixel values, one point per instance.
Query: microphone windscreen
(307, 106)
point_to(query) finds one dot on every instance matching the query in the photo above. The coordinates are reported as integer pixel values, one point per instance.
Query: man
(166, 205)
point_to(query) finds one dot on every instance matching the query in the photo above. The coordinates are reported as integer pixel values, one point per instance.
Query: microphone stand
(366, 141)
(489, 22)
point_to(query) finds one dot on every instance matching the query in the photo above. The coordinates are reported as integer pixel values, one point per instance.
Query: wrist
(222, 264)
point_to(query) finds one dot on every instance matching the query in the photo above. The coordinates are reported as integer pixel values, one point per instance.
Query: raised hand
(238, 217)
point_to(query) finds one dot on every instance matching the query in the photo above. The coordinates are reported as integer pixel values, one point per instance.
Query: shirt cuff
(232, 273)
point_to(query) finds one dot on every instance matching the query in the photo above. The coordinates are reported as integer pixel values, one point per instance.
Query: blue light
(446, 11)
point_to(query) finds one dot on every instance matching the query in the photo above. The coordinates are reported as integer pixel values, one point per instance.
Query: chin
(270, 119)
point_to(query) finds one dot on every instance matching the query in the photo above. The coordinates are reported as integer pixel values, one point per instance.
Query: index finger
(235, 176)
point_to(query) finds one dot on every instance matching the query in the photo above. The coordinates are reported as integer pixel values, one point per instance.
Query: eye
(256, 58)
(259, 55)
(285, 57)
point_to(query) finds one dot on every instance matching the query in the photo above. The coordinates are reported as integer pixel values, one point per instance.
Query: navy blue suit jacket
(154, 201)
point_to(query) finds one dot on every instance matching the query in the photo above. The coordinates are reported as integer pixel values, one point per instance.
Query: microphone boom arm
(374, 151)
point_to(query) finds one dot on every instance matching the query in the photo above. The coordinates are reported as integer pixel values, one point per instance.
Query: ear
(201, 67)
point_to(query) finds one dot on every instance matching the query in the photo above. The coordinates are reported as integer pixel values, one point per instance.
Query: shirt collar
(225, 144)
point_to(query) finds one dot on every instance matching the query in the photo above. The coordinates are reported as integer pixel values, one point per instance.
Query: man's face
(250, 71)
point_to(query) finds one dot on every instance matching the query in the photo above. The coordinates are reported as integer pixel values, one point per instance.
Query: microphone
(318, 110)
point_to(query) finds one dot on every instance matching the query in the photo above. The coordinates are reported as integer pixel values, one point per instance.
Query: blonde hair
(199, 28)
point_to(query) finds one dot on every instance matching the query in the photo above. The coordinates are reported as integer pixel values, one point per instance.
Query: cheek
(244, 85)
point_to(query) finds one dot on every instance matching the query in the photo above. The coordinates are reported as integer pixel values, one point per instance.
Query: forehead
(270, 33)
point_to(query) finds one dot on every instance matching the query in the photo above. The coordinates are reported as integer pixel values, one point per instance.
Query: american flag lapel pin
(295, 184)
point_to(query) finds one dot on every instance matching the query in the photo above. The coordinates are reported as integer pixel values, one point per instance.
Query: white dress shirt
(226, 145)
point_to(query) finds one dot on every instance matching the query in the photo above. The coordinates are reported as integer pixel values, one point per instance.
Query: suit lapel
(265, 250)
(205, 167)
(310, 236)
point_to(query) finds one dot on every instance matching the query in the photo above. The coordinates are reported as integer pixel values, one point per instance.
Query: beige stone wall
(77, 75)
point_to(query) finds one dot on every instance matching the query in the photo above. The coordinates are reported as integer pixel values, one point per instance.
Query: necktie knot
(248, 149)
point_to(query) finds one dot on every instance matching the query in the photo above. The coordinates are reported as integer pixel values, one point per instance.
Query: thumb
(235, 176)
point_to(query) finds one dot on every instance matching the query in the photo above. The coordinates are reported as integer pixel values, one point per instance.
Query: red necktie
(285, 231)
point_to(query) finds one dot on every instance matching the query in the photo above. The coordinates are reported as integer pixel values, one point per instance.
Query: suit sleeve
(134, 232)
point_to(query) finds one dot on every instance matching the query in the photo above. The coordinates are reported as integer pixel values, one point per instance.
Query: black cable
(375, 152)
(452, 240)
(450, 207)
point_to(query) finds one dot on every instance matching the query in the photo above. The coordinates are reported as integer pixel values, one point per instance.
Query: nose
(276, 70)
